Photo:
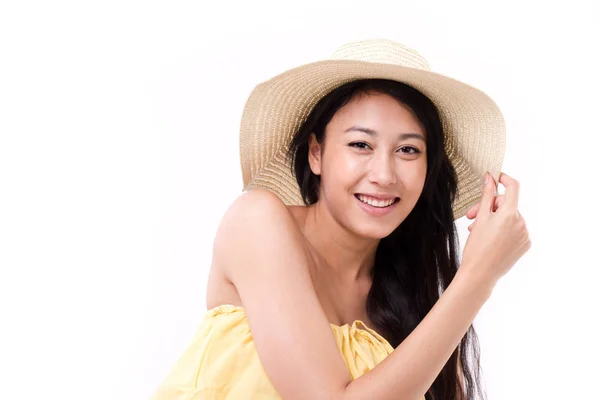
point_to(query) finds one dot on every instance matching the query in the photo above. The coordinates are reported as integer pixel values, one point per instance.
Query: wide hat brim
(474, 128)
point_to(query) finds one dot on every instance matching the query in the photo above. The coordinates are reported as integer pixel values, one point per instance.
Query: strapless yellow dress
(222, 363)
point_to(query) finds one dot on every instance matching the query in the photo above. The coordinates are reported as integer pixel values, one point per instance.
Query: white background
(119, 154)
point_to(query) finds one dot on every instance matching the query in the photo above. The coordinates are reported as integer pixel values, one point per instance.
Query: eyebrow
(401, 136)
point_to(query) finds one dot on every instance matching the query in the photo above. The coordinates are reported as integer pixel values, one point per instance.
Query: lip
(378, 196)
(376, 211)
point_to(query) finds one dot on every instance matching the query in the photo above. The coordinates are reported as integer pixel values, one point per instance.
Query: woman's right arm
(257, 246)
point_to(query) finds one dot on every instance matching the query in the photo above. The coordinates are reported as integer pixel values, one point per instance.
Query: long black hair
(418, 260)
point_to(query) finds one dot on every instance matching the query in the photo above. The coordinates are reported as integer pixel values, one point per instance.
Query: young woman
(336, 274)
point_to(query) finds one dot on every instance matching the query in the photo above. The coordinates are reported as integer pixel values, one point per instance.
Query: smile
(376, 202)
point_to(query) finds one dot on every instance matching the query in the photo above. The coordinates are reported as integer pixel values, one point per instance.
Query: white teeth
(374, 202)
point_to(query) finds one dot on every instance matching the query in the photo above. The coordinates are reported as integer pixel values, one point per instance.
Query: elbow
(348, 393)
(340, 393)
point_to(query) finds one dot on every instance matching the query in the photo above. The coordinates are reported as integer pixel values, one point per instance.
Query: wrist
(474, 281)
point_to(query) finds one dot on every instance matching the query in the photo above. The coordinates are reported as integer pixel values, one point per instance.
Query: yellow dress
(222, 362)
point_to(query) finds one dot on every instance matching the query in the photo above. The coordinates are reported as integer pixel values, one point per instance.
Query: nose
(381, 170)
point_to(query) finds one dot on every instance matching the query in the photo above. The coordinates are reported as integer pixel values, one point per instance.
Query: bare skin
(342, 246)
(307, 267)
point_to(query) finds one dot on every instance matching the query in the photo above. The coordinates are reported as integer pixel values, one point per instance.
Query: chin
(375, 231)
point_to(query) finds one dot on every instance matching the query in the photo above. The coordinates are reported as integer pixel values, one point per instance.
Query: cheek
(414, 178)
(348, 169)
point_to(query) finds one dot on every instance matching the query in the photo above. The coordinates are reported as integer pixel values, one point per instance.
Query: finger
(512, 191)
(499, 201)
(472, 213)
(487, 198)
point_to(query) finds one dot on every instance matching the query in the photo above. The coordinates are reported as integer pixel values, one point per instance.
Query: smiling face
(372, 164)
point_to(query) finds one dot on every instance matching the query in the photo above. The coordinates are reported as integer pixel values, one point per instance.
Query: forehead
(376, 111)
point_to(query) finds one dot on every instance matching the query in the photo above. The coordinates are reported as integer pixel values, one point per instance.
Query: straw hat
(473, 125)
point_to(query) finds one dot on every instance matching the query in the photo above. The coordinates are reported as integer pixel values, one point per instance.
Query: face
(372, 164)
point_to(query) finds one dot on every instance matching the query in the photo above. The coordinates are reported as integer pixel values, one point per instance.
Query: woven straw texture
(473, 124)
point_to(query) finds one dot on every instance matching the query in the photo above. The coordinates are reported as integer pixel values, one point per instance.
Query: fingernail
(485, 179)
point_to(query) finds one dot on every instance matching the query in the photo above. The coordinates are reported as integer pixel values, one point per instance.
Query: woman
(355, 169)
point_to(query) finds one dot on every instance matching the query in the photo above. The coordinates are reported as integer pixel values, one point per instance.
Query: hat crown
(381, 51)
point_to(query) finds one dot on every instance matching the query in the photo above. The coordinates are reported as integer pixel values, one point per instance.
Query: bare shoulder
(257, 217)
(260, 249)
(254, 216)
(256, 203)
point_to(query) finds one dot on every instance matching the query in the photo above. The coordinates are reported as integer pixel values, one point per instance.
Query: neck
(347, 255)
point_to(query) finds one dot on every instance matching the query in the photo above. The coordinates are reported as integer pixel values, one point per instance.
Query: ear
(314, 154)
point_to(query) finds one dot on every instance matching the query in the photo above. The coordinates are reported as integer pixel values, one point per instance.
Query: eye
(415, 150)
(359, 145)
